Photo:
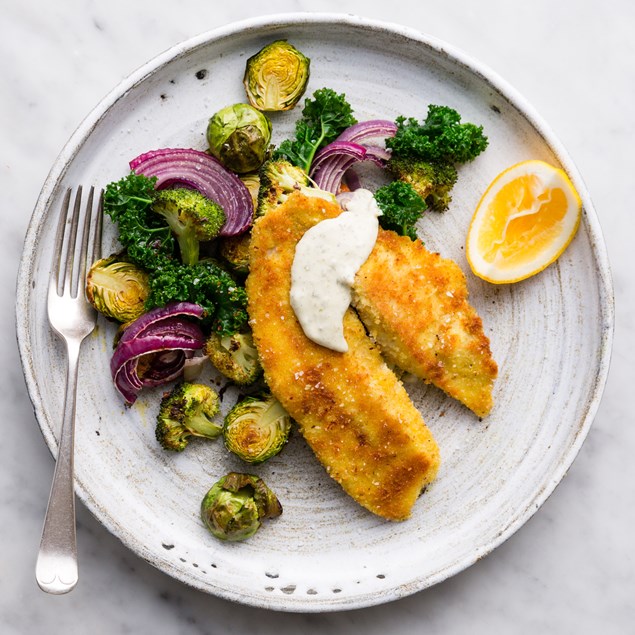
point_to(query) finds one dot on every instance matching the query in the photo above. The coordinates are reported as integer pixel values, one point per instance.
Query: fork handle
(56, 567)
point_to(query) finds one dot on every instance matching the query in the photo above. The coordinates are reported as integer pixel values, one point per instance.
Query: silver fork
(72, 318)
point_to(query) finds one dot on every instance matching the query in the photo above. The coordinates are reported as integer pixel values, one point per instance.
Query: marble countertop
(571, 568)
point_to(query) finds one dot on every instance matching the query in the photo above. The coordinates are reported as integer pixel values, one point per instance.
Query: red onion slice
(164, 338)
(333, 161)
(186, 167)
(371, 129)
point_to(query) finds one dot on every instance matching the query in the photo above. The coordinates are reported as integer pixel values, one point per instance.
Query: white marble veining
(571, 568)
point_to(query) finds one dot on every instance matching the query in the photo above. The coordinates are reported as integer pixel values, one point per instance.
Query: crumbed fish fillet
(415, 305)
(350, 407)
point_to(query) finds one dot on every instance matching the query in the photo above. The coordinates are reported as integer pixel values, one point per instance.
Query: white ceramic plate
(551, 336)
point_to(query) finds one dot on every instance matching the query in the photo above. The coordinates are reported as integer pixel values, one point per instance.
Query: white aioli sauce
(326, 260)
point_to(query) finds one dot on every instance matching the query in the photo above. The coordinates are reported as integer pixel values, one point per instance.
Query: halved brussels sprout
(235, 250)
(117, 288)
(252, 182)
(239, 137)
(256, 428)
(276, 77)
(236, 504)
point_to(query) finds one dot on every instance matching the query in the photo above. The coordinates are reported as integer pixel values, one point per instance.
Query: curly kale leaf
(145, 235)
(324, 118)
(401, 208)
(206, 284)
(440, 138)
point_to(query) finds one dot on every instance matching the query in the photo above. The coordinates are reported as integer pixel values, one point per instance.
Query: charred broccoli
(188, 410)
(432, 181)
(192, 217)
(426, 154)
(235, 356)
(278, 179)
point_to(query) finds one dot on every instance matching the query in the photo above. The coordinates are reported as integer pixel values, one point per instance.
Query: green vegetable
(276, 77)
(433, 181)
(252, 183)
(205, 283)
(441, 137)
(235, 251)
(401, 208)
(280, 178)
(426, 154)
(149, 243)
(233, 509)
(188, 410)
(192, 217)
(146, 236)
(324, 118)
(256, 428)
(117, 288)
(235, 356)
(239, 137)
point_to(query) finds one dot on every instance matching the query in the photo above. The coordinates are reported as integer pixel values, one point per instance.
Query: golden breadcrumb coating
(415, 305)
(350, 407)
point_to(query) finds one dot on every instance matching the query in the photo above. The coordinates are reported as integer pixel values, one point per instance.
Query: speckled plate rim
(456, 56)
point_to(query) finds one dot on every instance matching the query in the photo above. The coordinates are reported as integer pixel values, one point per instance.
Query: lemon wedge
(524, 221)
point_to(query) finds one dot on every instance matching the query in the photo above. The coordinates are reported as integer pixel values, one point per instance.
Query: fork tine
(97, 234)
(59, 240)
(88, 218)
(69, 263)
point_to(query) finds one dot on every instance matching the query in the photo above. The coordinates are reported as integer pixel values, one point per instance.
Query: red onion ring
(371, 129)
(185, 167)
(164, 338)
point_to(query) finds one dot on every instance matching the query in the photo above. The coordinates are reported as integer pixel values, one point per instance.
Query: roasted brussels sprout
(117, 288)
(188, 410)
(235, 250)
(252, 182)
(236, 504)
(256, 428)
(239, 137)
(276, 77)
(235, 356)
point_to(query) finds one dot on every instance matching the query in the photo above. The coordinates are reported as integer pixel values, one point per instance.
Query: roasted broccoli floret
(192, 217)
(426, 154)
(256, 428)
(188, 410)
(401, 207)
(235, 356)
(278, 179)
(233, 509)
(432, 181)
